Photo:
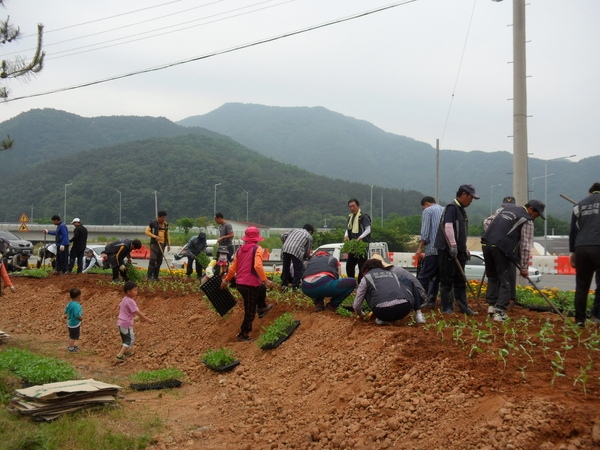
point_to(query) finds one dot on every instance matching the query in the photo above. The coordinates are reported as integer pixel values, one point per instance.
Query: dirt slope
(336, 383)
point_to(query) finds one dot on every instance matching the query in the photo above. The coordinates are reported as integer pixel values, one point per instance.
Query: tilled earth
(337, 382)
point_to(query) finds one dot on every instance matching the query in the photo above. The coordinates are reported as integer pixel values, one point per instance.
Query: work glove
(453, 252)
(62, 248)
(45, 231)
(122, 268)
(12, 289)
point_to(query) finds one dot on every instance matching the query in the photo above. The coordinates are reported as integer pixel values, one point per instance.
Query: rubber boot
(461, 301)
(446, 300)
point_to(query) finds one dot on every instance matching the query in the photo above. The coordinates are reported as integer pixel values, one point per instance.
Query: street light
(246, 204)
(546, 199)
(492, 196)
(533, 182)
(119, 205)
(371, 200)
(65, 211)
(215, 203)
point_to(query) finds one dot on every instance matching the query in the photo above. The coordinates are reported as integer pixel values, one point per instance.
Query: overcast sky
(425, 69)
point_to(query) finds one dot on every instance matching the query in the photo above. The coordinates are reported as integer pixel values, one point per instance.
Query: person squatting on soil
(5, 279)
(411, 283)
(195, 246)
(359, 229)
(323, 278)
(79, 241)
(225, 234)
(429, 274)
(297, 244)
(385, 294)
(507, 243)
(128, 309)
(74, 316)
(116, 252)
(219, 265)
(451, 243)
(89, 261)
(251, 279)
(47, 251)
(584, 245)
(158, 231)
(61, 239)
(19, 262)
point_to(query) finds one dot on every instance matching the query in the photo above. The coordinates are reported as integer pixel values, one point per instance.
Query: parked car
(17, 245)
(475, 267)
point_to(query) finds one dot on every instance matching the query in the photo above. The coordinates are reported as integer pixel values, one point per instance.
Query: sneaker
(319, 307)
(500, 316)
(243, 338)
(121, 358)
(382, 322)
(262, 312)
(491, 310)
(73, 349)
(419, 318)
(128, 354)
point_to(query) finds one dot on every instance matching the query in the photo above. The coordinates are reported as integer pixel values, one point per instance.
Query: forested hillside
(184, 171)
(43, 134)
(328, 143)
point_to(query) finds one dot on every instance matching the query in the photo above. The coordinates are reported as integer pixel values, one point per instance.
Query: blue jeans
(338, 289)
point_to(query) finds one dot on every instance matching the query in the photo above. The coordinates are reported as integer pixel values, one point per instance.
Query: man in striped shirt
(428, 275)
(297, 245)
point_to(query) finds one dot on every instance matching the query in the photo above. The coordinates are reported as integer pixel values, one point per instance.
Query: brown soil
(338, 382)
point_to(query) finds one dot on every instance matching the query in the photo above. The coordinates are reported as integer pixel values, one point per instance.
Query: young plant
(218, 358)
(583, 375)
(502, 354)
(278, 329)
(156, 376)
(356, 248)
(558, 366)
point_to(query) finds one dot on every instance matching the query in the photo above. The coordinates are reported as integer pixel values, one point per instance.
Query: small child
(128, 309)
(74, 315)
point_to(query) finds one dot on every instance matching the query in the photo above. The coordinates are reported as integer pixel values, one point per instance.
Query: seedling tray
(157, 385)
(221, 299)
(280, 341)
(223, 368)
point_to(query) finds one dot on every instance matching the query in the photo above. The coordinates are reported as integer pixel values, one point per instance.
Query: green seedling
(558, 366)
(156, 376)
(583, 375)
(218, 358)
(522, 370)
(276, 330)
(502, 354)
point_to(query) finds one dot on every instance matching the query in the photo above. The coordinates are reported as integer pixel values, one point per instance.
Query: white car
(476, 266)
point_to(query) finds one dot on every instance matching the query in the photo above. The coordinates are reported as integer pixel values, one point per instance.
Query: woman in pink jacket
(250, 275)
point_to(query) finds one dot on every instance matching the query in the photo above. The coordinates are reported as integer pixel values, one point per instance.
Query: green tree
(185, 224)
(17, 67)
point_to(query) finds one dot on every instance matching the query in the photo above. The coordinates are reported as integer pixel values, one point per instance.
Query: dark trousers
(500, 272)
(451, 280)
(428, 277)
(254, 298)
(156, 259)
(62, 259)
(191, 259)
(286, 276)
(76, 255)
(352, 262)
(391, 313)
(587, 260)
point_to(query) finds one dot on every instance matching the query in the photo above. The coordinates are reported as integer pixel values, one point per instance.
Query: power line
(458, 71)
(219, 52)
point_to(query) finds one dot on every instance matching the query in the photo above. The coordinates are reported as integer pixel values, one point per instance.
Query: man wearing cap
(506, 201)
(584, 245)
(79, 242)
(507, 241)
(61, 239)
(250, 275)
(428, 275)
(451, 243)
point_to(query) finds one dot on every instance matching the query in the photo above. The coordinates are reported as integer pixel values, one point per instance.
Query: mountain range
(184, 161)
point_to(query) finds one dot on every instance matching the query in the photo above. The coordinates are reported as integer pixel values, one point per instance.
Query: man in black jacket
(116, 252)
(78, 241)
(158, 232)
(194, 247)
(584, 245)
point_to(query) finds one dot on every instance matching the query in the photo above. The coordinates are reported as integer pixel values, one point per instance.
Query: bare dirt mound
(338, 382)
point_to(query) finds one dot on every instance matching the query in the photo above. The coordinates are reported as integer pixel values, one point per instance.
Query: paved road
(562, 282)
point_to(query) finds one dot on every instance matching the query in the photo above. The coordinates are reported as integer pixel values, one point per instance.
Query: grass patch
(35, 369)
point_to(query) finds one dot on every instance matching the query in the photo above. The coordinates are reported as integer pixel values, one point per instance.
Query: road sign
(24, 218)
(23, 227)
